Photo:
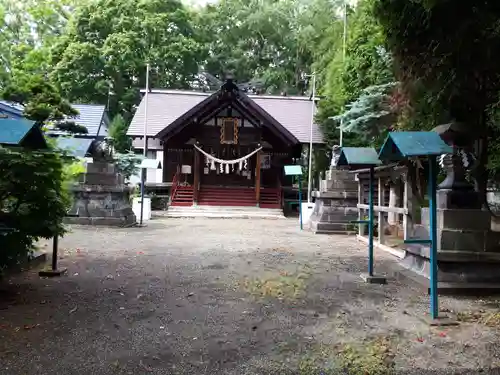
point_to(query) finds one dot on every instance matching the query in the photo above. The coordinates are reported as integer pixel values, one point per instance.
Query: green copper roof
(400, 145)
(293, 170)
(359, 156)
(13, 131)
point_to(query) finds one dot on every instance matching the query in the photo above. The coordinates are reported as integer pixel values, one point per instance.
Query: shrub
(33, 200)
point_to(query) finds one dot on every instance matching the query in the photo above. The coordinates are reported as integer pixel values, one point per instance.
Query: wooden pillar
(164, 165)
(409, 206)
(381, 213)
(257, 179)
(196, 175)
(361, 214)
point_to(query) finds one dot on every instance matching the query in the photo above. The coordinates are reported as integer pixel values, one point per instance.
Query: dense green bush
(33, 200)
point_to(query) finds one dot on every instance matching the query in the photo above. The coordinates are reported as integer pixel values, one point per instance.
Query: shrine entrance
(240, 174)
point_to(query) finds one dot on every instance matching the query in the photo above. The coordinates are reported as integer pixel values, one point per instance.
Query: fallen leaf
(148, 369)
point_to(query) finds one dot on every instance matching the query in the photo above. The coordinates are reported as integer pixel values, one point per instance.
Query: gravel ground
(204, 296)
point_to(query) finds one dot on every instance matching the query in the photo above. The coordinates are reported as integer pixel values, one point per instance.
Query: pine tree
(118, 132)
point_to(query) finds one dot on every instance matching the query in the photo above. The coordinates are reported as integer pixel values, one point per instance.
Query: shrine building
(224, 148)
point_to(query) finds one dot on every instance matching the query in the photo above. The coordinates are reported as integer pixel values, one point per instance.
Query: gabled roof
(11, 109)
(78, 147)
(21, 132)
(166, 106)
(90, 116)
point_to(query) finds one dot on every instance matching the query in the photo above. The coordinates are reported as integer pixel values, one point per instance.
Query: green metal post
(370, 222)
(433, 235)
(300, 203)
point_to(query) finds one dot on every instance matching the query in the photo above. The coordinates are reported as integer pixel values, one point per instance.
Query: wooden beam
(257, 179)
(397, 210)
(381, 216)
(196, 177)
(165, 177)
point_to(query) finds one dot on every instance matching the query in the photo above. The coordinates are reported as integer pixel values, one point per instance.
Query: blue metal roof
(13, 131)
(77, 147)
(400, 145)
(359, 156)
(11, 109)
(89, 115)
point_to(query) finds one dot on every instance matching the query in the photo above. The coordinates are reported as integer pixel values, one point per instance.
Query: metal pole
(433, 230)
(370, 223)
(300, 203)
(54, 253)
(309, 183)
(344, 46)
(143, 170)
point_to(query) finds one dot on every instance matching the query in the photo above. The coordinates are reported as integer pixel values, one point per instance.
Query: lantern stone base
(468, 251)
(101, 198)
(336, 208)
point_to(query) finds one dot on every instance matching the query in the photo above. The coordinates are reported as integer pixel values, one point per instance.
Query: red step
(183, 196)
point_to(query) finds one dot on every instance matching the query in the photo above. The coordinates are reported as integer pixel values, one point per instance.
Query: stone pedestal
(101, 198)
(468, 251)
(335, 208)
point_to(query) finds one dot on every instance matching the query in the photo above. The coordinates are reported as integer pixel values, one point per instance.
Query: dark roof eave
(292, 139)
(169, 128)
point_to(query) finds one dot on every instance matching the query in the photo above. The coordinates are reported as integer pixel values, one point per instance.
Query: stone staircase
(229, 212)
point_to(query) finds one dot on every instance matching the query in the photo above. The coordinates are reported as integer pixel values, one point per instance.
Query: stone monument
(336, 203)
(468, 250)
(101, 197)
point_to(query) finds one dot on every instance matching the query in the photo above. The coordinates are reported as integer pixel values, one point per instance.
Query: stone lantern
(456, 191)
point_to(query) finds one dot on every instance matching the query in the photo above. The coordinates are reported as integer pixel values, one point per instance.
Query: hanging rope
(221, 161)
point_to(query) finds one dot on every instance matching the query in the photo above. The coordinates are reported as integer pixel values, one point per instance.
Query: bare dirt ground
(230, 297)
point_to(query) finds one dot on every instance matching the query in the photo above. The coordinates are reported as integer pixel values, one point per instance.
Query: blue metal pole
(300, 203)
(433, 235)
(370, 222)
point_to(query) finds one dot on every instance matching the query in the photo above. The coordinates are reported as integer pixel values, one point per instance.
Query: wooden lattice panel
(226, 122)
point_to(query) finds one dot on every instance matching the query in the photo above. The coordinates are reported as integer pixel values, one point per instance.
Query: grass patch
(285, 286)
(489, 319)
(373, 357)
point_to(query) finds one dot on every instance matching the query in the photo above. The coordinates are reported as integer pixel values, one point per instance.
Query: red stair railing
(175, 184)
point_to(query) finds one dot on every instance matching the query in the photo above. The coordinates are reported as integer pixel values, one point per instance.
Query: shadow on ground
(215, 298)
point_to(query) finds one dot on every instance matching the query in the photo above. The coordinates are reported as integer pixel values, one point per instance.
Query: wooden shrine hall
(225, 148)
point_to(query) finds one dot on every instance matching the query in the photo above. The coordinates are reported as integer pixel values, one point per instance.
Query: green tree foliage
(271, 44)
(33, 201)
(108, 42)
(42, 102)
(372, 114)
(118, 132)
(127, 163)
(366, 65)
(447, 56)
(27, 29)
